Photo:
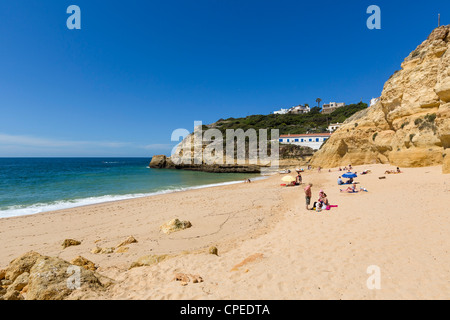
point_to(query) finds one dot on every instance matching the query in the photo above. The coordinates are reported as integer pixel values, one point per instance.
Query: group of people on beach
(341, 182)
(321, 204)
(349, 168)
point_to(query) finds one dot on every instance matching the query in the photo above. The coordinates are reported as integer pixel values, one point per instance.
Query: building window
(296, 140)
(303, 140)
(317, 139)
(281, 140)
(288, 140)
(310, 140)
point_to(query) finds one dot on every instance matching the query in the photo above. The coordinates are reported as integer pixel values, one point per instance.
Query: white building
(299, 109)
(282, 111)
(313, 141)
(334, 126)
(332, 106)
(294, 110)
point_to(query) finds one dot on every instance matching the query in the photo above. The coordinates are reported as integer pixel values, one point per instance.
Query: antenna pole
(439, 20)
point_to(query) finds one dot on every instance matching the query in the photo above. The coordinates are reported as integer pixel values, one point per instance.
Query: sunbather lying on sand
(353, 189)
(393, 171)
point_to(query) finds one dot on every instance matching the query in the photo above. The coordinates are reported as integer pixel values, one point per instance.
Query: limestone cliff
(410, 125)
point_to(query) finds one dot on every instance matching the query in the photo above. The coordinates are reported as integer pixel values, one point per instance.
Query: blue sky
(137, 70)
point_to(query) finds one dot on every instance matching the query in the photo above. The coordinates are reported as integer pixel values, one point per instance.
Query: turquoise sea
(34, 185)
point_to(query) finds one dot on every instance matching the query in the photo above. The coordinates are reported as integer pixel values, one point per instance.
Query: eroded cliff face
(410, 125)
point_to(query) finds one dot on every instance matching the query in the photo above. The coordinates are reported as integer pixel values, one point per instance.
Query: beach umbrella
(288, 179)
(349, 175)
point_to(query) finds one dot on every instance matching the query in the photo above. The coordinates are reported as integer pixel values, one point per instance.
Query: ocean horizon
(34, 185)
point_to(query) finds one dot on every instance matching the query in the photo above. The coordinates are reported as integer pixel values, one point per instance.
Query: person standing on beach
(308, 195)
(298, 179)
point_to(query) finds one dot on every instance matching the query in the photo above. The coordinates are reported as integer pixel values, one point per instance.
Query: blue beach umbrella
(349, 175)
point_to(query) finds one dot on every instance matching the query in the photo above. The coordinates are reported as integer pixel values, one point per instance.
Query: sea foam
(22, 210)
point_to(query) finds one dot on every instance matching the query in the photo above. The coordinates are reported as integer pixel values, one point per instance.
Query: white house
(282, 111)
(313, 141)
(299, 109)
(334, 126)
(332, 106)
(294, 110)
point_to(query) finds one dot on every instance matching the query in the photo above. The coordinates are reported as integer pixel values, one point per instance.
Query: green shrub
(430, 117)
(374, 136)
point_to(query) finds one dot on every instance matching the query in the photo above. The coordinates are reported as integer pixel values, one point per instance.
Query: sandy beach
(401, 226)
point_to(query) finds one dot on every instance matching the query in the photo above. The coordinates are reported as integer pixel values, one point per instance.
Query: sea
(34, 185)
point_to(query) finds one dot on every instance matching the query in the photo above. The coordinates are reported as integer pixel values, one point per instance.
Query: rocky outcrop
(21, 265)
(37, 277)
(410, 125)
(163, 162)
(158, 162)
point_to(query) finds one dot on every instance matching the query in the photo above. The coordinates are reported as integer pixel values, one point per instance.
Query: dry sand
(401, 225)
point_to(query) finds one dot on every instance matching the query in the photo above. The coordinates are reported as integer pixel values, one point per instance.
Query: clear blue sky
(137, 70)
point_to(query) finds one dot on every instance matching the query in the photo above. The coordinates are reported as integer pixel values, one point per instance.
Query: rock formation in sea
(410, 125)
(185, 158)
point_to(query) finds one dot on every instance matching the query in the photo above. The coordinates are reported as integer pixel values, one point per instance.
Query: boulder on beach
(36, 277)
(55, 279)
(174, 226)
(20, 265)
(128, 241)
(70, 243)
(213, 250)
(83, 262)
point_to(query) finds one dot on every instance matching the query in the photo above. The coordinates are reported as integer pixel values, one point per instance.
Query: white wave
(15, 211)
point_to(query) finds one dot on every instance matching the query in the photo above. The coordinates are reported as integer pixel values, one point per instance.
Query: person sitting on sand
(349, 181)
(340, 182)
(351, 189)
(323, 200)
